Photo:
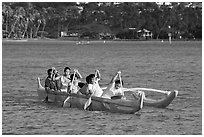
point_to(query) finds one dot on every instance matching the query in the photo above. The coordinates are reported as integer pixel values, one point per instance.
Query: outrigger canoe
(98, 103)
(159, 103)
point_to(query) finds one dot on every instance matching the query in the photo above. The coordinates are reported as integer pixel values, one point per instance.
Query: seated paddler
(75, 79)
(91, 86)
(64, 80)
(50, 84)
(114, 88)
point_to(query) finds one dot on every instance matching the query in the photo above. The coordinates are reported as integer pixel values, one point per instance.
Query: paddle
(121, 84)
(73, 79)
(120, 79)
(52, 76)
(88, 102)
(68, 97)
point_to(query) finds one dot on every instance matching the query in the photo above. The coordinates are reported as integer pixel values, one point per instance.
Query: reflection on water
(150, 64)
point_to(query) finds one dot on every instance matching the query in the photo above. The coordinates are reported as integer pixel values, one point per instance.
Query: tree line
(183, 20)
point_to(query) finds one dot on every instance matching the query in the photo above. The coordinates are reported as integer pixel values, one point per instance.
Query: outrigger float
(158, 103)
(98, 103)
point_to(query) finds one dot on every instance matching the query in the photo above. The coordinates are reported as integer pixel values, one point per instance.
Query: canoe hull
(98, 104)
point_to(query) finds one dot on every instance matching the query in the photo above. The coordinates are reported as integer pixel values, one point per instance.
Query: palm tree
(43, 29)
(7, 13)
(33, 15)
(39, 22)
(43, 15)
(71, 14)
(19, 18)
(26, 28)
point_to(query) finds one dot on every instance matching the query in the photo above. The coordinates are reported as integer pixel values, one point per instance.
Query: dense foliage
(48, 19)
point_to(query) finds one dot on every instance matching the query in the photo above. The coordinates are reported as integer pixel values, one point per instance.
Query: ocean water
(149, 64)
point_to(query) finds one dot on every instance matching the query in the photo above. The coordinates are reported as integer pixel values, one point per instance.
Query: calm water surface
(143, 64)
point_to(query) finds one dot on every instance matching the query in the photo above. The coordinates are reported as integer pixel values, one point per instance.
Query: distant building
(107, 35)
(144, 34)
(63, 33)
(66, 34)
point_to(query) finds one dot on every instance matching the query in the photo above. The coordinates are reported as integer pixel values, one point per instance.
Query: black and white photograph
(101, 68)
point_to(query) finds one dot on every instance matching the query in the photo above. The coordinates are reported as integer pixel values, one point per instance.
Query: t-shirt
(75, 88)
(49, 83)
(118, 91)
(94, 89)
(84, 90)
(65, 82)
(111, 91)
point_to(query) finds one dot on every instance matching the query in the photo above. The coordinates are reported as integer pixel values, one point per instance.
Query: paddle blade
(142, 95)
(88, 102)
(65, 101)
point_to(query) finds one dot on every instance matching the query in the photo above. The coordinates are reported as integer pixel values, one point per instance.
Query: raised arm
(54, 71)
(77, 73)
(115, 77)
(98, 75)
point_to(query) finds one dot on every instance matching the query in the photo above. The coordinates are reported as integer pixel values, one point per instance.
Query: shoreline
(104, 41)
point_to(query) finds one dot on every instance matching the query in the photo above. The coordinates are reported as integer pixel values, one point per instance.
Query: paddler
(50, 84)
(74, 84)
(114, 88)
(92, 85)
